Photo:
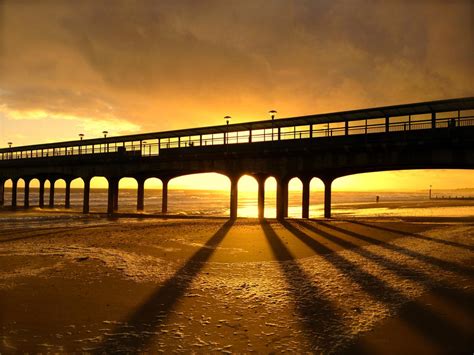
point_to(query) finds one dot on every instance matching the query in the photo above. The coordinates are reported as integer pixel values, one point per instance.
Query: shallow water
(216, 203)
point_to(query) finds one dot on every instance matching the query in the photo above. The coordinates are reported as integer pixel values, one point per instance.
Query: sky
(144, 66)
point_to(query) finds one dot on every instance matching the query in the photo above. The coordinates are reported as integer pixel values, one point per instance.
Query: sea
(216, 203)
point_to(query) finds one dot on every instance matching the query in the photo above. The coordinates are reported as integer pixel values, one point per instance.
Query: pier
(425, 135)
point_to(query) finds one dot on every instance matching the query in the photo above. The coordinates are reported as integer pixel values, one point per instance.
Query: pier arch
(152, 195)
(247, 196)
(269, 206)
(127, 194)
(295, 189)
(215, 183)
(99, 186)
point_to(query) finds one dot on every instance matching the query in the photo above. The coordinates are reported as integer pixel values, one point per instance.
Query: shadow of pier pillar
(2, 192)
(86, 195)
(282, 197)
(305, 200)
(41, 193)
(140, 194)
(164, 196)
(14, 191)
(327, 196)
(67, 194)
(234, 193)
(51, 192)
(26, 191)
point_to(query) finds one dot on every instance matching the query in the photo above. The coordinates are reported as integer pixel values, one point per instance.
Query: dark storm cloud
(186, 59)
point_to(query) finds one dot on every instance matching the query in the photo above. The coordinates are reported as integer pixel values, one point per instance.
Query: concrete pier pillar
(86, 193)
(51, 192)
(164, 196)
(14, 192)
(112, 196)
(327, 197)
(116, 195)
(41, 193)
(141, 195)
(26, 191)
(282, 198)
(67, 194)
(2, 192)
(305, 199)
(234, 193)
(261, 197)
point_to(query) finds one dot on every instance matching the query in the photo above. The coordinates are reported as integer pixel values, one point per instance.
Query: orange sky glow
(84, 67)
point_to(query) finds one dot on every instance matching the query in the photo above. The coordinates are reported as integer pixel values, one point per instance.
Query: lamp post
(81, 135)
(272, 114)
(105, 137)
(226, 137)
(10, 144)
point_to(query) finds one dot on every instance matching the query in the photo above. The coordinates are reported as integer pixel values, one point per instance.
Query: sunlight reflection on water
(216, 203)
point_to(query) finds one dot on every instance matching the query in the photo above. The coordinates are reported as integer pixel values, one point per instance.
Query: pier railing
(446, 114)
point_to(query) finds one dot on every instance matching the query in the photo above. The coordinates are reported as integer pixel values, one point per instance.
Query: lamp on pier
(272, 114)
(81, 135)
(227, 120)
(10, 144)
(105, 133)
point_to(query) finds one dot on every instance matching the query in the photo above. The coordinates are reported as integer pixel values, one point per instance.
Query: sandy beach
(366, 285)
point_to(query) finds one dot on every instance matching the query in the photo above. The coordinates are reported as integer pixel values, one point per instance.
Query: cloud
(163, 65)
(89, 125)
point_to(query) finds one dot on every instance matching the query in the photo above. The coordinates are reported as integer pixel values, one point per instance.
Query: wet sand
(368, 285)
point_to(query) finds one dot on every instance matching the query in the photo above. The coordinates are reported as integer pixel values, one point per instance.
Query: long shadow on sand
(155, 310)
(414, 235)
(400, 269)
(321, 322)
(447, 265)
(419, 316)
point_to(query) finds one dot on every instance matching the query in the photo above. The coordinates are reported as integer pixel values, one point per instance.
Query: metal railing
(152, 147)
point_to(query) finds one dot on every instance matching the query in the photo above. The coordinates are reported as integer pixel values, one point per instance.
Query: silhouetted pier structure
(426, 135)
(462, 198)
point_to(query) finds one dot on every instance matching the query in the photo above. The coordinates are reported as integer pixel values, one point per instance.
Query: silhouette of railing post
(26, 192)
(433, 120)
(86, 195)
(14, 191)
(387, 124)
